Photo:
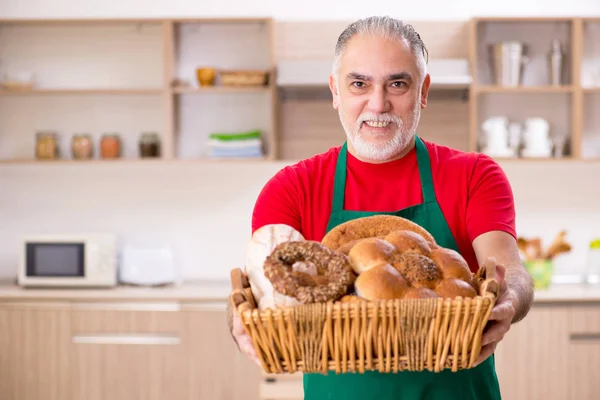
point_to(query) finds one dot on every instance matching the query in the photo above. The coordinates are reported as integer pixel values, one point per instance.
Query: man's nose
(378, 100)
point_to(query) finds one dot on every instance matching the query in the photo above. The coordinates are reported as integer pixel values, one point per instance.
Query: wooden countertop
(205, 291)
(218, 291)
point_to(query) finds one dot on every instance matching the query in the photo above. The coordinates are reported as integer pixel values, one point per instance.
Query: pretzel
(334, 273)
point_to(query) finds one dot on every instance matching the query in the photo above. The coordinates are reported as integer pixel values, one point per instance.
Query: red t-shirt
(472, 190)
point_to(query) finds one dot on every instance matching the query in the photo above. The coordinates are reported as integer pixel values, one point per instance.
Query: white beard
(387, 150)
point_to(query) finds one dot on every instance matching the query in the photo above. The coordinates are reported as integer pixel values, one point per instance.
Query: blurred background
(136, 135)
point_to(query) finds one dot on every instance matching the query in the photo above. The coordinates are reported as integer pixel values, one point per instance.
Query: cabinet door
(127, 352)
(217, 369)
(584, 352)
(531, 360)
(34, 343)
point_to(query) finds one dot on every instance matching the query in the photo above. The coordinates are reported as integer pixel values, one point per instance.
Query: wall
(203, 210)
(287, 10)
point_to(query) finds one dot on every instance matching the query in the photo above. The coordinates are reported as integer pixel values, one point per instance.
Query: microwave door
(55, 260)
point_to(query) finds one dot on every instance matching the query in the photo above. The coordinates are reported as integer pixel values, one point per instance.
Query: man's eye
(358, 84)
(399, 84)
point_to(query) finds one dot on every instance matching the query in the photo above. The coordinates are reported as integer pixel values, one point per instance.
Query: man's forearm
(521, 284)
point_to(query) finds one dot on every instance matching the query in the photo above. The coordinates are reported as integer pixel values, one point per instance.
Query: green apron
(479, 383)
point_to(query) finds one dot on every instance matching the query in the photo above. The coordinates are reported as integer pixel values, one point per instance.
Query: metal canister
(555, 64)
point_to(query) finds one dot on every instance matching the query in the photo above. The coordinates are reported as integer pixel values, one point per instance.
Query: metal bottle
(555, 63)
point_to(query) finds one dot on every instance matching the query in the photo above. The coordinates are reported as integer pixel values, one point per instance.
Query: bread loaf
(260, 246)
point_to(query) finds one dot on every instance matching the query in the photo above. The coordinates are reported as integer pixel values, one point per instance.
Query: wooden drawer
(585, 321)
(104, 319)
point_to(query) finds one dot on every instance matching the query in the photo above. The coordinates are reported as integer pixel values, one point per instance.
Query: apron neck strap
(423, 162)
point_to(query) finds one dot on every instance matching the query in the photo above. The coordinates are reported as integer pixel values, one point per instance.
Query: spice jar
(82, 146)
(110, 146)
(46, 145)
(149, 145)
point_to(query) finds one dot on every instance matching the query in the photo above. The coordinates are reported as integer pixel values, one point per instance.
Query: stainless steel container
(555, 64)
(508, 60)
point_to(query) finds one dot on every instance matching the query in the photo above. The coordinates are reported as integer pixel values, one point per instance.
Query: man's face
(379, 94)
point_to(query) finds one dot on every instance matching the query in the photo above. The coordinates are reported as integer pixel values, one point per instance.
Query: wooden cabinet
(531, 360)
(121, 351)
(124, 352)
(34, 346)
(217, 370)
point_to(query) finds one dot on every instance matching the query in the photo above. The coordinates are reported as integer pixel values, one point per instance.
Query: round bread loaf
(417, 269)
(260, 245)
(454, 287)
(381, 282)
(419, 293)
(368, 227)
(405, 240)
(351, 298)
(370, 252)
(451, 264)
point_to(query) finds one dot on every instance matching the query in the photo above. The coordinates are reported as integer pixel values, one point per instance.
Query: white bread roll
(368, 253)
(381, 282)
(259, 247)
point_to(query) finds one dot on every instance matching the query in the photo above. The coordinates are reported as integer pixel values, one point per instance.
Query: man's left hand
(500, 319)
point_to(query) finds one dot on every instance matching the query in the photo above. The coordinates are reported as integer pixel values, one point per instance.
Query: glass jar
(592, 273)
(82, 146)
(110, 146)
(149, 145)
(46, 145)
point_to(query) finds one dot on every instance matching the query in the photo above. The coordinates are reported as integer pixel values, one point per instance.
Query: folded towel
(235, 136)
(237, 144)
(233, 152)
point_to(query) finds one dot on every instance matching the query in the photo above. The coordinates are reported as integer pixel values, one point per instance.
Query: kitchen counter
(206, 291)
(218, 291)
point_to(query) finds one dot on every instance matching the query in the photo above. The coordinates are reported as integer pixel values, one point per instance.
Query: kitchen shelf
(222, 89)
(136, 161)
(84, 91)
(523, 89)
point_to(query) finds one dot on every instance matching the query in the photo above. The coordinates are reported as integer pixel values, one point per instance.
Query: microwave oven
(74, 260)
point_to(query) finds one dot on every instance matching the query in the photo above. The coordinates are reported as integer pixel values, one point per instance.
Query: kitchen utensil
(206, 76)
(537, 142)
(555, 63)
(496, 137)
(508, 60)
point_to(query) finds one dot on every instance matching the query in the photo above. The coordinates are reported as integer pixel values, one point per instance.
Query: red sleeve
(279, 201)
(490, 205)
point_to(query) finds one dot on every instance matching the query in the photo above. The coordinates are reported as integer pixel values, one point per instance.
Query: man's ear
(334, 91)
(425, 91)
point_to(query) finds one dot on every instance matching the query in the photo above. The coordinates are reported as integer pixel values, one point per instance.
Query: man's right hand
(243, 340)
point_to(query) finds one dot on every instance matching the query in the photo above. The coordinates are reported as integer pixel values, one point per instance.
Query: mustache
(386, 117)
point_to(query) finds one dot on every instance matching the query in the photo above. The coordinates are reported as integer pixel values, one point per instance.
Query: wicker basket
(386, 336)
(243, 77)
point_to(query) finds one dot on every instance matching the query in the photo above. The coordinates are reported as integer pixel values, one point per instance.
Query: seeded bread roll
(368, 227)
(382, 282)
(417, 269)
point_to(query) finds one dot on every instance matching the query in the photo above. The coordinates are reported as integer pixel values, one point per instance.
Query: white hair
(386, 27)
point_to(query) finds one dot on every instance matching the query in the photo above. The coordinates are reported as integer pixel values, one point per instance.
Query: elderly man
(380, 85)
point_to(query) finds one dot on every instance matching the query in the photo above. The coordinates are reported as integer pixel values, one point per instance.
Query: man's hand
(241, 338)
(500, 319)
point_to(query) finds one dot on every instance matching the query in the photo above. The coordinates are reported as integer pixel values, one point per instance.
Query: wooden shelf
(83, 91)
(222, 89)
(591, 89)
(140, 161)
(522, 89)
